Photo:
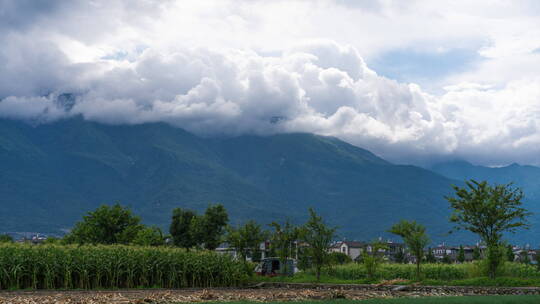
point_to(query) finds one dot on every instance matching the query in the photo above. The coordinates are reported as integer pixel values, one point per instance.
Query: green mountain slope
(360, 192)
(50, 174)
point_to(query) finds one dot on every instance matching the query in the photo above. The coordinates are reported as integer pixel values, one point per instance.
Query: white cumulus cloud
(138, 64)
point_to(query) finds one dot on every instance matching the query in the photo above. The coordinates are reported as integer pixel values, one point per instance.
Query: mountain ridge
(53, 173)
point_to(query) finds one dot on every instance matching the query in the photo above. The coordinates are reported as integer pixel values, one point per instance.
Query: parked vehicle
(274, 267)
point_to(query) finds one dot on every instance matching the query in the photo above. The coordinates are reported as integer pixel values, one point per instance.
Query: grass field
(429, 300)
(458, 300)
(476, 281)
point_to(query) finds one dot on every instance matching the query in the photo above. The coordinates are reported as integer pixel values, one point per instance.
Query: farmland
(447, 300)
(246, 296)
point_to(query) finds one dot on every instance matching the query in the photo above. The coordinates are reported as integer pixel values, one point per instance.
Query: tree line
(486, 210)
(117, 224)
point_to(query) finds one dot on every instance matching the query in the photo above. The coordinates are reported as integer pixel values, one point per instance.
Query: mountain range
(525, 177)
(52, 173)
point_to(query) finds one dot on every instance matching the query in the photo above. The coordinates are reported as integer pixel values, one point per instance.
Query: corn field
(25, 266)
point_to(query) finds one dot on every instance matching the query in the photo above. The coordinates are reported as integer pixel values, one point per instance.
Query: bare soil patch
(203, 295)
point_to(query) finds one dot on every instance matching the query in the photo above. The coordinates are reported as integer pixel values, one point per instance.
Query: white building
(351, 248)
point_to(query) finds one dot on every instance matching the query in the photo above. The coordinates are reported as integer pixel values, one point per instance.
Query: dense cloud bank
(320, 87)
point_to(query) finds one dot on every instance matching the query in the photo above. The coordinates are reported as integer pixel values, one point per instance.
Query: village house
(353, 249)
(33, 239)
(393, 249)
(442, 250)
(524, 254)
(469, 253)
(226, 249)
(263, 252)
(452, 252)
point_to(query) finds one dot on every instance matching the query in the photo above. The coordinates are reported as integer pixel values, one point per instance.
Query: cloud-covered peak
(127, 72)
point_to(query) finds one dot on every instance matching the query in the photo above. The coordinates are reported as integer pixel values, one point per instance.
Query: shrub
(5, 238)
(338, 258)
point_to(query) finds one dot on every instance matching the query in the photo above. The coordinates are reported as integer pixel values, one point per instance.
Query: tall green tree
(211, 226)
(430, 257)
(106, 225)
(415, 237)
(488, 211)
(524, 257)
(283, 241)
(182, 228)
(399, 257)
(189, 229)
(476, 253)
(372, 260)
(446, 258)
(149, 236)
(318, 238)
(246, 238)
(461, 254)
(509, 253)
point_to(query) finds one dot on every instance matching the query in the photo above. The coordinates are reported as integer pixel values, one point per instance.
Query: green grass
(309, 278)
(478, 281)
(485, 281)
(427, 300)
(458, 300)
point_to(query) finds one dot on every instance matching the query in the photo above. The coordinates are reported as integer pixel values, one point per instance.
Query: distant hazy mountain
(526, 177)
(50, 174)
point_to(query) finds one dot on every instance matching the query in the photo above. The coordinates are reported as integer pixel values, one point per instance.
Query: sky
(412, 81)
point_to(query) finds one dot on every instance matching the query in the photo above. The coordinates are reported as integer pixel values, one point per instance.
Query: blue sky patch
(407, 65)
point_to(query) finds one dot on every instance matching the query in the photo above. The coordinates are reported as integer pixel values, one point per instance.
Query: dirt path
(197, 295)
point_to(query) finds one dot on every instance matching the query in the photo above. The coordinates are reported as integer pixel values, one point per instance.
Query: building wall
(354, 252)
(344, 249)
(335, 249)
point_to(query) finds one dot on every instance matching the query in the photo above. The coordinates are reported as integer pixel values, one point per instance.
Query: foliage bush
(114, 266)
(4, 238)
(338, 258)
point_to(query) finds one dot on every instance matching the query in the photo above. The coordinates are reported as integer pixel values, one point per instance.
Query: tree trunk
(493, 259)
(318, 274)
(418, 269)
